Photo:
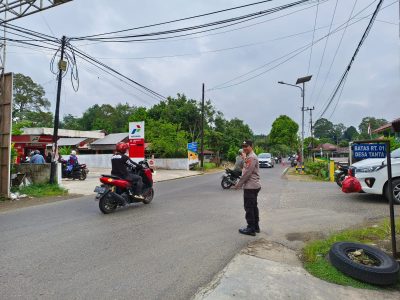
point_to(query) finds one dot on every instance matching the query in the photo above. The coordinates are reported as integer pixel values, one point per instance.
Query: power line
(177, 20)
(336, 51)
(313, 36)
(117, 72)
(298, 50)
(323, 52)
(99, 76)
(214, 50)
(217, 33)
(229, 22)
(346, 72)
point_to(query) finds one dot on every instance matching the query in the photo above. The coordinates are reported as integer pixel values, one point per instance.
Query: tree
(166, 140)
(284, 132)
(280, 150)
(374, 122)
(350, 134)
(30, 103)
(70, 122)
(102, 117)
(337, 132)
(186, 113)
(324, 129)
(234, 133)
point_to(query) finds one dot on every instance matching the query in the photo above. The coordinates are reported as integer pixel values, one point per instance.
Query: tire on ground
(384, 274)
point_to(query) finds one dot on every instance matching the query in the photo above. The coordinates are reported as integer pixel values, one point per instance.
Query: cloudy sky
(183, 64)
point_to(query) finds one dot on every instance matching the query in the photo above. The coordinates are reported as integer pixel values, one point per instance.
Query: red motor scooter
(114, 191)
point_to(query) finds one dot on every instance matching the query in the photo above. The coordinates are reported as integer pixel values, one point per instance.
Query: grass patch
(315, 253)
(207, 166)
(42, 190)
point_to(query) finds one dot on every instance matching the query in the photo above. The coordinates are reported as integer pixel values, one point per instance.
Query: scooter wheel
(226, 183)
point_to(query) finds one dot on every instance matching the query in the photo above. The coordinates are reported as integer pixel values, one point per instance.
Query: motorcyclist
(120, 163)
(72, 161)
(239, 163)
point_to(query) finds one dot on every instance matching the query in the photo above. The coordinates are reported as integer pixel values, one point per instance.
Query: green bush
(232, 153)
(317, 168)
(394, 143)
(65, 150)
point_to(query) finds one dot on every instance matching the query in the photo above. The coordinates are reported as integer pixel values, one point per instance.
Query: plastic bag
(351, 185)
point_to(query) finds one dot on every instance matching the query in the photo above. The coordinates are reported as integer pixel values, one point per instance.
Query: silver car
(266, 160)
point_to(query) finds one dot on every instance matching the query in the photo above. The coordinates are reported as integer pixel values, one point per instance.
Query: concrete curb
(177, 178)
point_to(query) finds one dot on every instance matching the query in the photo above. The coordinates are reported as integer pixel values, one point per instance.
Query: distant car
(372, 174)
(266, 160)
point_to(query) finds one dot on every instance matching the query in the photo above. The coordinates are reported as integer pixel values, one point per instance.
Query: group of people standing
(36, 157)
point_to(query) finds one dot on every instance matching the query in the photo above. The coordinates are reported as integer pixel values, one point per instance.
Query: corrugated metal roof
(111, 139)
(70, 141)
(95, 134)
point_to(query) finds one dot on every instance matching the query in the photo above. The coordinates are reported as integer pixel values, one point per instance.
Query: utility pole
(61, 68)
(301, 80)
(302, 129)
(202, 130)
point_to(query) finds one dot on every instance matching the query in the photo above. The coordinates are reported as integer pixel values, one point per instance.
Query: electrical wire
(214, 50)
(313, 36)
(336, 52)
(217, 33)
(324, 51)
(99, 76)
(298, 50)
(230, 21)
(347, 70)
(177, 20)
(81, 53)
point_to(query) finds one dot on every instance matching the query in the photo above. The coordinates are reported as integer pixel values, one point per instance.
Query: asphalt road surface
(165, 250)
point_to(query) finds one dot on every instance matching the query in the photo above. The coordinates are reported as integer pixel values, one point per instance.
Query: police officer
(120, 163)
(250, 182)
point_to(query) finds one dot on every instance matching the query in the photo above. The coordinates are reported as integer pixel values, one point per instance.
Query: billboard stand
(136, 141)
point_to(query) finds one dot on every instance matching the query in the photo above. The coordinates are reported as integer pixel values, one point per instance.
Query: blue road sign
(369, 150)
(192, 147)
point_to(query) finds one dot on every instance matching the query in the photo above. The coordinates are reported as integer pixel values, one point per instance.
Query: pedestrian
(48, 157)
(37, 158)
(250, 182)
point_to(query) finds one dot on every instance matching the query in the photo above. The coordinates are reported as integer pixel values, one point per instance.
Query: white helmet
(73, 152)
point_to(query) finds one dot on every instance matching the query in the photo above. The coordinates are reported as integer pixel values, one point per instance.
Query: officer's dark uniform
(120, 163)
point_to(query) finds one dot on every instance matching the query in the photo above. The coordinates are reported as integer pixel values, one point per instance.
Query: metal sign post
(380, 149)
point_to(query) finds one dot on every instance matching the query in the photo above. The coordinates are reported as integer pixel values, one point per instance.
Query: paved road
(165, 250)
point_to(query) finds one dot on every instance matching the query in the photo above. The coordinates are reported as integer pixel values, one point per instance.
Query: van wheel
(395, 191)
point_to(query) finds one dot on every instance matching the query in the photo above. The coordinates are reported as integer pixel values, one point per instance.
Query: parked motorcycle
(293, 161)
(229, 179)
(78, 171)
(114, 191)
(340, 174)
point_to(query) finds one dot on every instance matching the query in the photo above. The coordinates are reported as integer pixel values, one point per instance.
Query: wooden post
(5, 133)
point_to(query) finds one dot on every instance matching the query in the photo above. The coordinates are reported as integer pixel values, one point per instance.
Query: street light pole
(302, 80)
(302, 130)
